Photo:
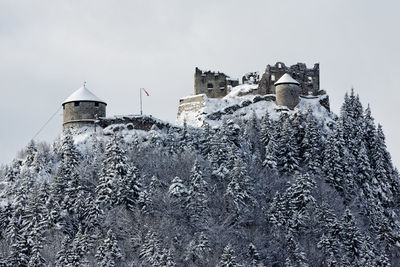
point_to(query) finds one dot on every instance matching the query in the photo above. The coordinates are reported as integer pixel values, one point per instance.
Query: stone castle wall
(191, 104)
(308, 78)
(82, 113)
(212, 84)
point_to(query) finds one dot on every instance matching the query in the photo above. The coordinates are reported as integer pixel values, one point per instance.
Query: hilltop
(242, 181)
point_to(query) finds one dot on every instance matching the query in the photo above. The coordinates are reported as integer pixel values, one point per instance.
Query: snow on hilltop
(240, 103)
(252, 192)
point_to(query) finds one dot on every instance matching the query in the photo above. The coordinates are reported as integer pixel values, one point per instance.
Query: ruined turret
(287, 91)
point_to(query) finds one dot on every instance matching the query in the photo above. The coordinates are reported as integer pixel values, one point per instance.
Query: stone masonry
(78, 113)
(212, 84)
(308, 78)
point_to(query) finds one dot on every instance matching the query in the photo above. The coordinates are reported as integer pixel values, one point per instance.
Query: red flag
(145, 92)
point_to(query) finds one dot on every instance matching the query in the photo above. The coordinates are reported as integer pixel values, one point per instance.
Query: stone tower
(287, 91)
(82, 108)
(213, 84)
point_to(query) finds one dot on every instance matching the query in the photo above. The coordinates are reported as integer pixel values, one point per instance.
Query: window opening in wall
(222, 86)
(76, 103)
(96, 104)
(273, 77)
(210, 86)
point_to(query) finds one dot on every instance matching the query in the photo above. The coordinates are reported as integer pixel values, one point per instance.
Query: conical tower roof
(83, 94)
(286, 79)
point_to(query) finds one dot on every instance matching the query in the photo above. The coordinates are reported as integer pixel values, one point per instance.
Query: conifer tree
(352, 238)
(333, 164)
(178, 191)
(369, 132)
(168, 258)
(287, 150)
(198, 251)
(238, 189)
(295, 255)
(151, 251)
(67, 174)
(254, 256)
(228, 257)
(12, 172)
(64, 253)
(30, 154)
(112, 175)
(197, 203)
(311, 144)
(131, 188)
(266, 129)
(108, 253)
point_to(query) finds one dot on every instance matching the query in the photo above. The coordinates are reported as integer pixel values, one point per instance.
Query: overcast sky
(48, 48)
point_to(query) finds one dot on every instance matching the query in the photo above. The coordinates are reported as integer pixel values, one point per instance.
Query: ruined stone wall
(138, 122)
(308, 78)
(212, 84)
(82, 112)
(191, 104)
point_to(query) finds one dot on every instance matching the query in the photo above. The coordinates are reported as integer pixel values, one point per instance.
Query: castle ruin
(212, 84)
(217, 84)
(308, 79)
(304, 82)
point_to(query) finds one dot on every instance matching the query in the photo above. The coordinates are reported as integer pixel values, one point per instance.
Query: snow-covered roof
(286, 78)
(83, 94)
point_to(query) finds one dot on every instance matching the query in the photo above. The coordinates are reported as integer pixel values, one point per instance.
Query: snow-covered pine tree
(168, 258)
(287, 150)
(131, 188)
(205, 140)
(266, 129)
(13, 171)
(178, 191)
(198, 251)
(228, 258)
(352, 239)
(108, 253)
(151, 250)
(31, 151)
(219, 148)
(197, 202)
(67, 174)
(238, 191)
(254, 259)
(294, 254)
(334, 161)
(62, 258)
(110, 189)
(311, 144)
(369, 132)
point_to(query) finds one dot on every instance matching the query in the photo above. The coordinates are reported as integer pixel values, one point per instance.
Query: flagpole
(141, 110)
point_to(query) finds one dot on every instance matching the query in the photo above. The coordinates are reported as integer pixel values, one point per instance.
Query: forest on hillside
(261, 192)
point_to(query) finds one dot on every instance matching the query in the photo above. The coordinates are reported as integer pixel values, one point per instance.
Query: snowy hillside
(241, 106)
(257, 188)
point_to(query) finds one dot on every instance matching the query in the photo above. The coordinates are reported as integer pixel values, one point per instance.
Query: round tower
(287, 91)
(82, 108)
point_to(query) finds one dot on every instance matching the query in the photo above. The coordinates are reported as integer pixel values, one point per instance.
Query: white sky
(48, 48)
